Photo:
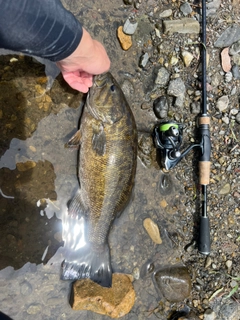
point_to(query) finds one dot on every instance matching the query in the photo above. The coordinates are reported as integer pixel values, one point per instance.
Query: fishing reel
(168, 138)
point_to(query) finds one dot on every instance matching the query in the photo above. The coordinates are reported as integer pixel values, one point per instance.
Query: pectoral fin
(75, 141)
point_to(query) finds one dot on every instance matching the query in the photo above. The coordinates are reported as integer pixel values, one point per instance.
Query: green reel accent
(165, 126)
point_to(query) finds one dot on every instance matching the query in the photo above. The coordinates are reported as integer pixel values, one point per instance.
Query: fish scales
(107, 166)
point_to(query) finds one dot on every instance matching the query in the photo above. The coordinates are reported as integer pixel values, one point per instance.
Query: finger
(76, 81)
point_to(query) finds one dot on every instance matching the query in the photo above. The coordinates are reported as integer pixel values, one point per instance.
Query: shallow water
(38, 177)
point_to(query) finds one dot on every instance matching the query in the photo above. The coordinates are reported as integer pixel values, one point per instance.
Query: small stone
(222, 103)
(229, 264)
(185, 25)
(176, 88)
(226, 61)
(209, 314)
(165, 14)
(24, 166)
(235, 48)
(32, 148)
(160, 107)
(124, 39)
(173, 60)
(208, 262)
(225, 189)
(185, 8)
(225, 120)
(114, 302)
(152, 230)
(143, 60)
(187, 58)
(129, 27)
(228, 76)
(162, 77)
(236, 59)
(174, 283)
(238, 118)
(128, 2)
(163, 203)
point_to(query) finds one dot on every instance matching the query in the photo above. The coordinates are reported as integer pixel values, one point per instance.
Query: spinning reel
(168, 138)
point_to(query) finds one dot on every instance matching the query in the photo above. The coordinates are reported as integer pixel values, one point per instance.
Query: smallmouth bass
(107, 165)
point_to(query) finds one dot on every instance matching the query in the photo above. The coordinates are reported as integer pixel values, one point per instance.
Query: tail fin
(89, 264)
(82, 260)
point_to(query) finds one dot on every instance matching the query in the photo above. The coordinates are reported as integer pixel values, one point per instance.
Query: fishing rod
(168, 139)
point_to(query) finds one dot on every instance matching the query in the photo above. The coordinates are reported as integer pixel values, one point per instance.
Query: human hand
(89, 59)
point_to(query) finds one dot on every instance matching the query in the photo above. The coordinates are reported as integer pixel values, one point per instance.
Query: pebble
(165, 14)
(160, 107)
(228, 37)
(225, 189)
(144, 60)
(228, 76)
(185, 25)
(208, 262)
(209, 314)
(186, 9)
(152, 230)
(235, 48)
(238, 118)
(229, 264)
(124, 39)
(225, 120)
(222, 103)
(187, 58)
(226, 61)
(162, 77)
(177, 89)
(129, 27)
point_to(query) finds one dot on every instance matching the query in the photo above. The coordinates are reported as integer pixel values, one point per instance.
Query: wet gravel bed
(155, 66)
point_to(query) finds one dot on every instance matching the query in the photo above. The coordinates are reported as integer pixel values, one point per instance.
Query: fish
(107, 140)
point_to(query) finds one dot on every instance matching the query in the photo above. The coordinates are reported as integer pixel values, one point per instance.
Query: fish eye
(112, 87)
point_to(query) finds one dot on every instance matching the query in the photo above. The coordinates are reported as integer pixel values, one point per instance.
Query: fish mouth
(101, 80)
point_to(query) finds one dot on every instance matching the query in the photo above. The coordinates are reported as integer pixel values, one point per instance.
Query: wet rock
(185, 25)
(160, 107)
(187, 58)
(143, 60)
(152, 230)
(129, 27)
(24, 166)
(174, 283)
(165, 14)
(228, 37)
(162, 77)
(222, 103)
(186, 9)
(124, 39)
(226, 61)
(114, 302)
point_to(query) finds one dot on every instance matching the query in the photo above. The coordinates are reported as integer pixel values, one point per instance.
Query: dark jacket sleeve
(42, 28)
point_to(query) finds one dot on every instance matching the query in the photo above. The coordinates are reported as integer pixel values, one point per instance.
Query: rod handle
(204, 245)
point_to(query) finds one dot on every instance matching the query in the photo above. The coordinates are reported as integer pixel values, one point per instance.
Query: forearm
(39, 27)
